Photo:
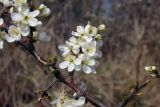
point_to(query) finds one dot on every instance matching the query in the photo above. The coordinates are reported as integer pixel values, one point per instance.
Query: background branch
(132, 94)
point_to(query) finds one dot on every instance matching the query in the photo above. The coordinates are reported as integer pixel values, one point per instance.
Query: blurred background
(131, 41)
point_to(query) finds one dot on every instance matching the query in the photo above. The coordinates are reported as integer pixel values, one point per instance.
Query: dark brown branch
(132, 94)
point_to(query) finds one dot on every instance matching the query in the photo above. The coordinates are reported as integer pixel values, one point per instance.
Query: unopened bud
(150, 68)
(101, 27)
(45, 11)
(98, 37)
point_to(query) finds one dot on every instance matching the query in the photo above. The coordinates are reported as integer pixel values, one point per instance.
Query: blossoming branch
(19, 20)
(22, 20)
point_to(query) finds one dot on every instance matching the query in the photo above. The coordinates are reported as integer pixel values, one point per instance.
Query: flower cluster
(82, 49)
(63, 101)
(23, 19)
(150, 68)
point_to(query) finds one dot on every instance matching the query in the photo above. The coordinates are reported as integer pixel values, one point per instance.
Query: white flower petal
(34, 13)
(39, 23)
(24, 10)
(75, 33)
(6, 2)
(92, 62)
(76, 49)
(64, 65)
(71, 67)
(17, 17)
(80, 29)
(1, 44)
(66, 52)
(46, 12)
(93, 44)
(64, 49)
(70, 44)
(33, 22)
(87, 69)
(88, 38)
(91, 30)
(19, 2)
(78, 68)
(1, 21)
(25, 30)
(88, 26)
(73, 39)
(68, 106)
(94, 31)
(9, 39)
(98, 54)
(80, 101)
(14, 34)
(78, 61)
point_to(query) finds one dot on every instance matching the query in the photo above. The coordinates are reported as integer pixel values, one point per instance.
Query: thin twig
(52, 84)
(45, 92)
(133, 92)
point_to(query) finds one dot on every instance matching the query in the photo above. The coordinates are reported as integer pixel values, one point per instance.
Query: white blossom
(64, 49)
(6, 2)
(69, 62)
(87, 64)
(14, 34)
(82, 49)
(89, 48)
(23, 19)
(63, 101)
(82, 34)
(71, 46)
(91, 30)
(26, 18)
(19, 2)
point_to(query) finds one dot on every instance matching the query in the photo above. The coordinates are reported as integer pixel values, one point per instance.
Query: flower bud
(150, 68)
(101, 27)
(98, 37)
(44, 10)
(42, 6)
